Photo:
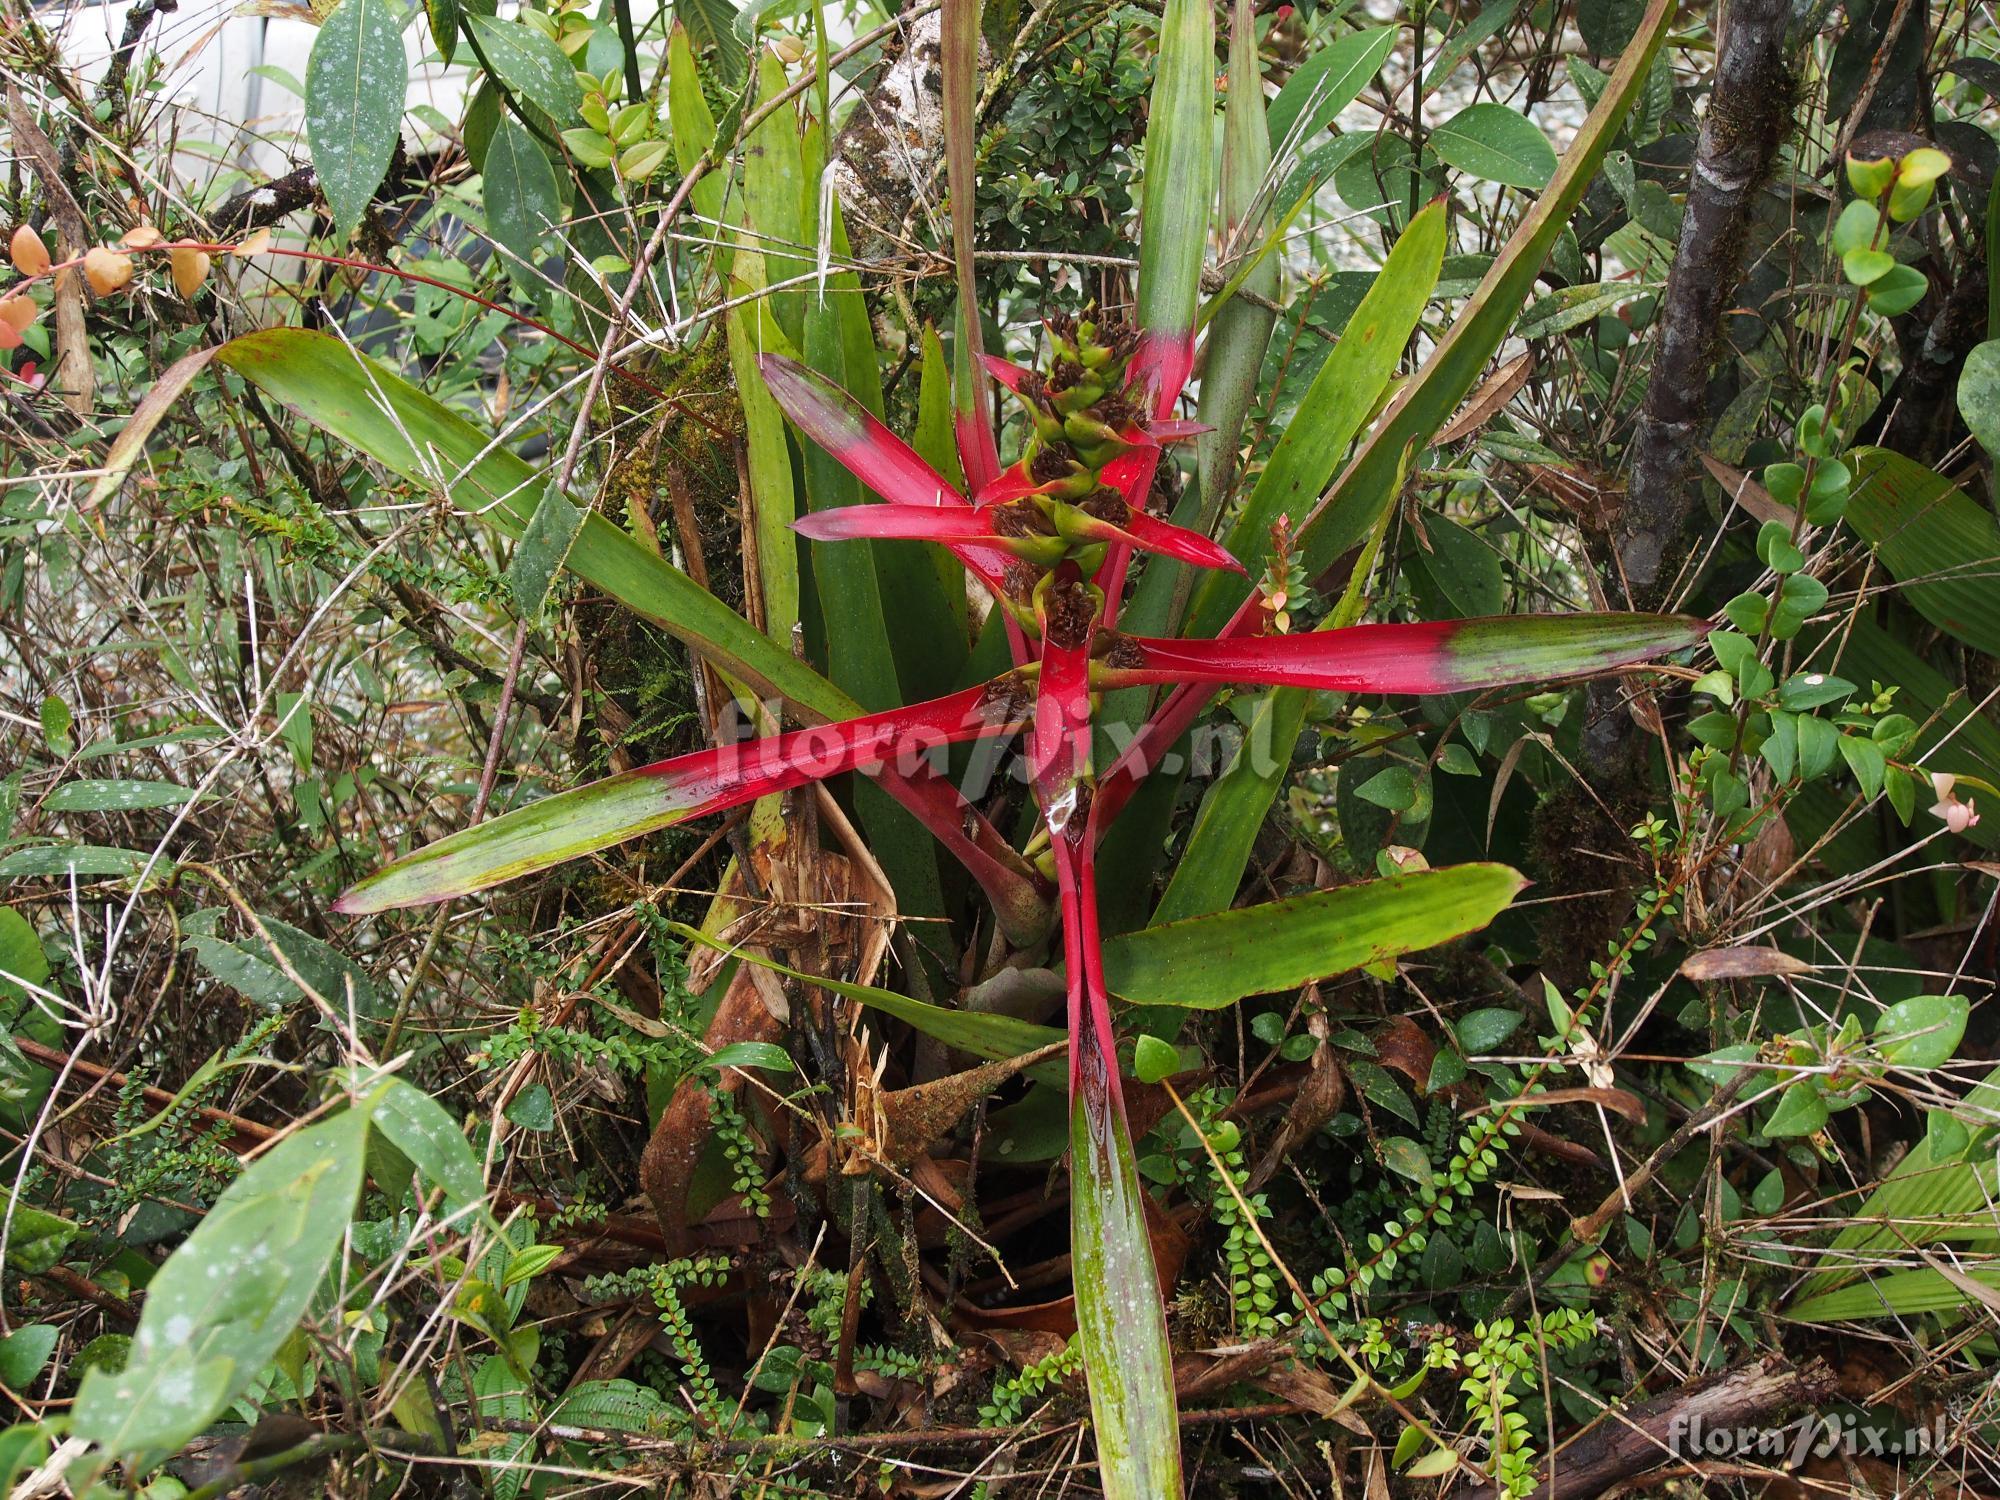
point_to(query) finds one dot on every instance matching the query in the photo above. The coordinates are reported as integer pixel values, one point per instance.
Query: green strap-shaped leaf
(691, 120)
(1937, 542)
(401, 427)
(1902, 1294)
(776, 190)
(860, 657)
(1240, 330)
(1348, 511)
(1347, 388)
(1207, 962)
(356, 81)
(1121, 1324)
(988, 1034)
(936, 445)
(1180, 175)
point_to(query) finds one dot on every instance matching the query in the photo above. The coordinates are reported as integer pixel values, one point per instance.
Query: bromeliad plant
(1053, 539)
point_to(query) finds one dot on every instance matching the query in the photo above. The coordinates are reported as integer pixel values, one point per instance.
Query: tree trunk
(1749, 111)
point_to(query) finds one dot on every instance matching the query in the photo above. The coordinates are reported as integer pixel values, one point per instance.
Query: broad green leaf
(39, 1239)
(937, 445)
(1233, 809)
(1456, 574)
(444, 18)
(217, 1311)
(1349, 510)
(753, 330)
(691, 121)
(356, 81)
(533, 67)
(1979, 394)
(22, 958)
(117, 796)
(1484, 1030)
(24, 1354)
(419, 1127)
(523, 201)
(1210, 961)
(1326, 83)
(255, 978)
(85, 861)
(1801, 1110)
(775, 201)
(1607, 25)
(1121, 1325)
(1493, 16)
(1923, 1031)
(712, 24)
(1154, 1059)
(249, 965)
(753, 326)
(1495, 144)
(1573, 306)
(1937, 542)
(543, 549)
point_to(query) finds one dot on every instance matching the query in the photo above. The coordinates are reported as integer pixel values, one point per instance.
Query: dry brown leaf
(255, 244)
(31, 256)
(106, 269)
(1742, 963)
(1631, 1106)
(1312, 1390)
(1745, 491)
(143, 238)
(1494, 392)
(1402, 1045)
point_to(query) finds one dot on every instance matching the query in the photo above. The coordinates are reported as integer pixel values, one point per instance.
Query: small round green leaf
(1154, 1059)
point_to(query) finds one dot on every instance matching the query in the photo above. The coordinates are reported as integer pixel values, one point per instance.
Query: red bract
(1051, 540)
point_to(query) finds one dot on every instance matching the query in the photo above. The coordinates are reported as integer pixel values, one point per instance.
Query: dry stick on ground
(1657, 1432)
(1749, 110)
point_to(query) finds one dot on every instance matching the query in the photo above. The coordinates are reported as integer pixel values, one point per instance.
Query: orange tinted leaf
(106, 269)
(31, 256)
(190, 270)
